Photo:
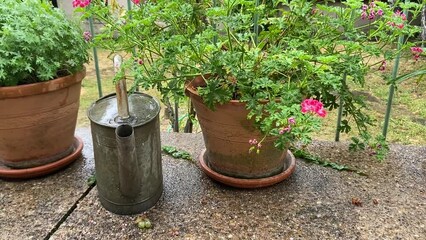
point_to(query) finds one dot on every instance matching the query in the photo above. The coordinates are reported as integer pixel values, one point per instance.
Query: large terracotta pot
(227, 132)
(37, 121)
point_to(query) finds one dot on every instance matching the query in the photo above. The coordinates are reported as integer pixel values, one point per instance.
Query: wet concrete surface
(314, 203)
(30, 209)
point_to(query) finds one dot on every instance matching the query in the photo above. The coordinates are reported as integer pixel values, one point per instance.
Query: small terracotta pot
(37, 121)
(227, 132)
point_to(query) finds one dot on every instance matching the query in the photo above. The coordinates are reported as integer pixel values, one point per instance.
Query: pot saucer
(25, 173)
(249, 183)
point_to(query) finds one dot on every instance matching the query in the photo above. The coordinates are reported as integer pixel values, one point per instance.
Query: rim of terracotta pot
(25, 173)
(42, 87)
(190, 89)
(249, 183)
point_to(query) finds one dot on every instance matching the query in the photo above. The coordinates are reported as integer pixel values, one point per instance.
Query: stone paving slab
(30, 209)
(314, 203)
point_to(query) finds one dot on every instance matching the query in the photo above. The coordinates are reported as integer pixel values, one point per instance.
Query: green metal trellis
(95, 58)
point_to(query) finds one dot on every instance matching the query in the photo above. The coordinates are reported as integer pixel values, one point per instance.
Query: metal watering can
(127, 149)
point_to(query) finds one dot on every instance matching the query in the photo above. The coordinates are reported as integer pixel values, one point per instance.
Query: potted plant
(273, 67)
(42, 56)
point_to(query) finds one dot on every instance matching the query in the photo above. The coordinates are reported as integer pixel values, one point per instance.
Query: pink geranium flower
(322, 112)
(80, 3)
(291, 121)
(363, 15)
(284, 130)
(416, 51)
(313, 106)
(87, 36)
(383, 66)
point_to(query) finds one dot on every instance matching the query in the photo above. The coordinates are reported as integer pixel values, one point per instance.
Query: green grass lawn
(408, 118)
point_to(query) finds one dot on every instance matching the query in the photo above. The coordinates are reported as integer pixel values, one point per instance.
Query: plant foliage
(270, 54)
(38, 43)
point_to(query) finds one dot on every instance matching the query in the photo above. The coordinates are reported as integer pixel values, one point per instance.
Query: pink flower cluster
(136, 1)
(313, 106)
(80, 3)
(87, 36)
(370, 12)
(402, 17)
(291, 121)
(416, 51)
(255, 143)
(383, 66)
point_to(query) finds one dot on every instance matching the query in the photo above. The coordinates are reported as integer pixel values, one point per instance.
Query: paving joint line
(69, 212)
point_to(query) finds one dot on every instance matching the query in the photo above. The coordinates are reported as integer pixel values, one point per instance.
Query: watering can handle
(121, 91)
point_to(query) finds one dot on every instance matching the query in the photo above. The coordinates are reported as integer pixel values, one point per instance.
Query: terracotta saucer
(25, 173)
(249, 183)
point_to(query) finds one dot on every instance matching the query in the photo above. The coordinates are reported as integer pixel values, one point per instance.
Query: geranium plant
(289, 61)
(38, 43)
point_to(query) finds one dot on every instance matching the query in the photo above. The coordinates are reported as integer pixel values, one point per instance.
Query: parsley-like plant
(38, 43)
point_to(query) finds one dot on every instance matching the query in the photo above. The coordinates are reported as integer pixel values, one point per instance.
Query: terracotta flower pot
(227, 132)
(37, 121)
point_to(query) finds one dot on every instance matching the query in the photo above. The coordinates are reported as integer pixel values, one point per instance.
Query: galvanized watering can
(127, 149)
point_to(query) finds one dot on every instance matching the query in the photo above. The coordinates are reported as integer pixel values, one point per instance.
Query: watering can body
(127, 153)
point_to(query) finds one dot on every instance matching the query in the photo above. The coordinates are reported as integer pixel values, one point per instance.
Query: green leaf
(215, 92)
(299, 153)
(176, 153)
(91, 181)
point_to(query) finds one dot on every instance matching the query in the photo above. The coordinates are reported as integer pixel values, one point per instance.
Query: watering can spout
(128, 167)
